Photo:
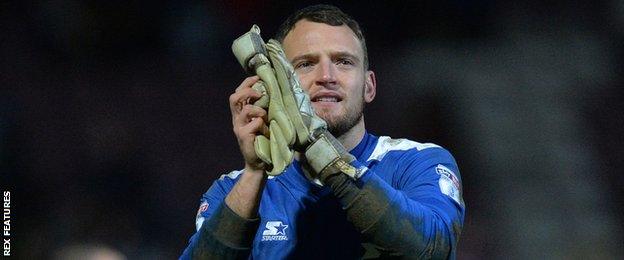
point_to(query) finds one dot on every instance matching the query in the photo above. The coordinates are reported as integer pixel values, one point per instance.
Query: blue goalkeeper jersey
(407, 203)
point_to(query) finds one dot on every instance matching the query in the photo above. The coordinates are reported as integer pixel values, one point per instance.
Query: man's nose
(326, 73)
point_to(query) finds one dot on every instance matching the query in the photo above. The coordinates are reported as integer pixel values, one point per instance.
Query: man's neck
(352, 138)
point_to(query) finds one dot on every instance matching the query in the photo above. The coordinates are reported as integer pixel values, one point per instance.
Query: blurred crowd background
(114, 116)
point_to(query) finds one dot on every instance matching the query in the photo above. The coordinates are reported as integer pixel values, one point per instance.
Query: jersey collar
(360, 149)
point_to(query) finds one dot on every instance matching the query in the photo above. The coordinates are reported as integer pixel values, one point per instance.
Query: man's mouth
(326, 99)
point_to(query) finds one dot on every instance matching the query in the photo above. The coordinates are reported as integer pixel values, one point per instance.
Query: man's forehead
(308, 37)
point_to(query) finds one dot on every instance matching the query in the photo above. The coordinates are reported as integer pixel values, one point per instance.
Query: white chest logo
(275, 230)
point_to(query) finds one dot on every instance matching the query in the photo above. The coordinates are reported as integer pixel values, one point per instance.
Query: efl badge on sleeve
(199, 219)
(449, 183)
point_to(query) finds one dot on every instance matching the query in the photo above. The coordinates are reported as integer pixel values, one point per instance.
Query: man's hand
(248, 121)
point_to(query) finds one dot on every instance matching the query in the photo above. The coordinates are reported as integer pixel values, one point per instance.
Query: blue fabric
(300, 219)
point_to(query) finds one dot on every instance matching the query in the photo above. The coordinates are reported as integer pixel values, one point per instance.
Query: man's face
(329, 62)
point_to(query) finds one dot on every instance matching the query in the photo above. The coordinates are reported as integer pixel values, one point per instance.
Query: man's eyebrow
(308, 56)
(345, 54)
(311, 56)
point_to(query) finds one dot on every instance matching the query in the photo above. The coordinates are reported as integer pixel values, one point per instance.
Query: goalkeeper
(348, 194)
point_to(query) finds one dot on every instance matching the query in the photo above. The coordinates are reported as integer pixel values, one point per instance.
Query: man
(406, 202)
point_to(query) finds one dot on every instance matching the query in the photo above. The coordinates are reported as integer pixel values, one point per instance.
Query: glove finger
(276, 104)
(285, 152)
(286, 127)
(278, 145)
(263, 149)
(263, 101)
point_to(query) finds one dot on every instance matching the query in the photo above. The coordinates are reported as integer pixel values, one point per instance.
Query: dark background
(114, 116)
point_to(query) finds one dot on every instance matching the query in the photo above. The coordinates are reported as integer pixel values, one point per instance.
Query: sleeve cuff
(231, 229)
(365, 201)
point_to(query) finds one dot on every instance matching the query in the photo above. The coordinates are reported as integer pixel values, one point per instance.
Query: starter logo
(275, 231)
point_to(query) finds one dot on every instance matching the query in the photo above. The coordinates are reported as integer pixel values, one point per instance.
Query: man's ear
(370, 86)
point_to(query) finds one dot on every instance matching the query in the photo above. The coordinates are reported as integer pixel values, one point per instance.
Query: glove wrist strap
(327, 157)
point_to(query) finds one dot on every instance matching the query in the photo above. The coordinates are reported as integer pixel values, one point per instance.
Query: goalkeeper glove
(274, 150)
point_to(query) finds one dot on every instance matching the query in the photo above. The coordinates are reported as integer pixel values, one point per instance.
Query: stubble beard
(339, 125)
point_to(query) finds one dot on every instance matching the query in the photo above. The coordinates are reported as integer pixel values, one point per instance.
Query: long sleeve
(225, 235)
(411, 208)
(221, 233)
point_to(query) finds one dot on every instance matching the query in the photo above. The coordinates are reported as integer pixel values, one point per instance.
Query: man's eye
(303, 64)
(344, 62)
